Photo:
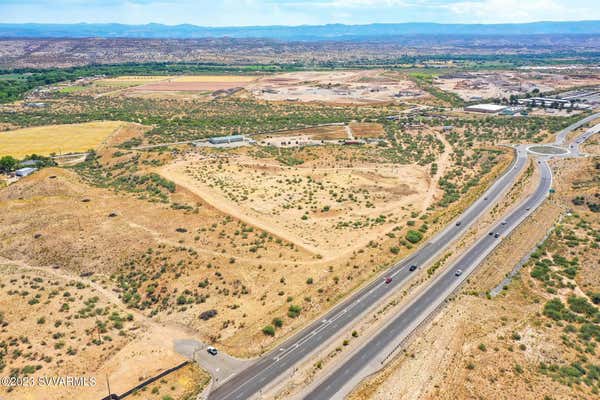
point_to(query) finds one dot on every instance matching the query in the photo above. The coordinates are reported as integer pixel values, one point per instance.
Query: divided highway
(272, 365)
(370, 357)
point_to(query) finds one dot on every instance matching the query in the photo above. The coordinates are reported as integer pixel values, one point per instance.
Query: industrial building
(553, 103)
(226, 139)
(486, 108)
(25, 171)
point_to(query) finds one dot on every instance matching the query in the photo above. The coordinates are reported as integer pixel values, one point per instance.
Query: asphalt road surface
(374, 353)
(272, 365)
(339, 383)
(279, 363)
(562, 135)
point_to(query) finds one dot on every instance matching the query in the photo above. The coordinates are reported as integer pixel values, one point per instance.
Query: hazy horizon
(229, 13)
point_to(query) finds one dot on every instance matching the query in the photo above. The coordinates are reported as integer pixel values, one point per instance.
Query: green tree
(8, 163)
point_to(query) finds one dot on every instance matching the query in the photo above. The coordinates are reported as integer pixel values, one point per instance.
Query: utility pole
(98, 330)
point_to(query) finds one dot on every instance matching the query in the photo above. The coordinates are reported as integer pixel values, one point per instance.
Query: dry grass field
(214, 78)
(169, 86)
(59, 139)
(131, 80)
(191, 83)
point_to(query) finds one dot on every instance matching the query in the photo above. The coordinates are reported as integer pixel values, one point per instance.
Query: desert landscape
(336, 211)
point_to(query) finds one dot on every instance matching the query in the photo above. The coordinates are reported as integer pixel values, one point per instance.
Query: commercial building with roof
(486, 108)
(25, 171)
(226, 139)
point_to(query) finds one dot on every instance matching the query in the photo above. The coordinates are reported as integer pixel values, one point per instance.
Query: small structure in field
(226, 139)
(25, 171)
(485, 108)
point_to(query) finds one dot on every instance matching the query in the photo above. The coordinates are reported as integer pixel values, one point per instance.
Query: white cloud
(496, 11)
(294, 12)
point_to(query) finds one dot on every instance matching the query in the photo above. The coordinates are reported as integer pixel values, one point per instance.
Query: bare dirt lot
(370, 86)
(324, 208)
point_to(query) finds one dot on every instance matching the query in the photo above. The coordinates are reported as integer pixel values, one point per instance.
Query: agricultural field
(209, 83)
(57, 139)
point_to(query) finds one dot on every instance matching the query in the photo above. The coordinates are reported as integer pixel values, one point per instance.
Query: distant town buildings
(553, 103)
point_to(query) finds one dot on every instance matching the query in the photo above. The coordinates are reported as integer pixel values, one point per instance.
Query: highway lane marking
(533, 200)
(326, 322)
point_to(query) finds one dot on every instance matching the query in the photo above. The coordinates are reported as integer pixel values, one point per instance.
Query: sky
(294, 12)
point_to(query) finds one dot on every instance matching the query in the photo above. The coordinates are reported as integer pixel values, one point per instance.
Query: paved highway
(271, 366)
(562, 135)
(370, 357)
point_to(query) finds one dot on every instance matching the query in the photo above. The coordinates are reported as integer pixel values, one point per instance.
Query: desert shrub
(541, 270)
(294, 311)
(556, 310)
(28, 369)
(588, 331)
(206, 315)
(414, 236)
(581, 305)
(518, 369)
(277, 322)
(269, 330)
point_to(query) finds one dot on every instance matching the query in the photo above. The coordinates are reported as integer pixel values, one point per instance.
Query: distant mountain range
(294, 33)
